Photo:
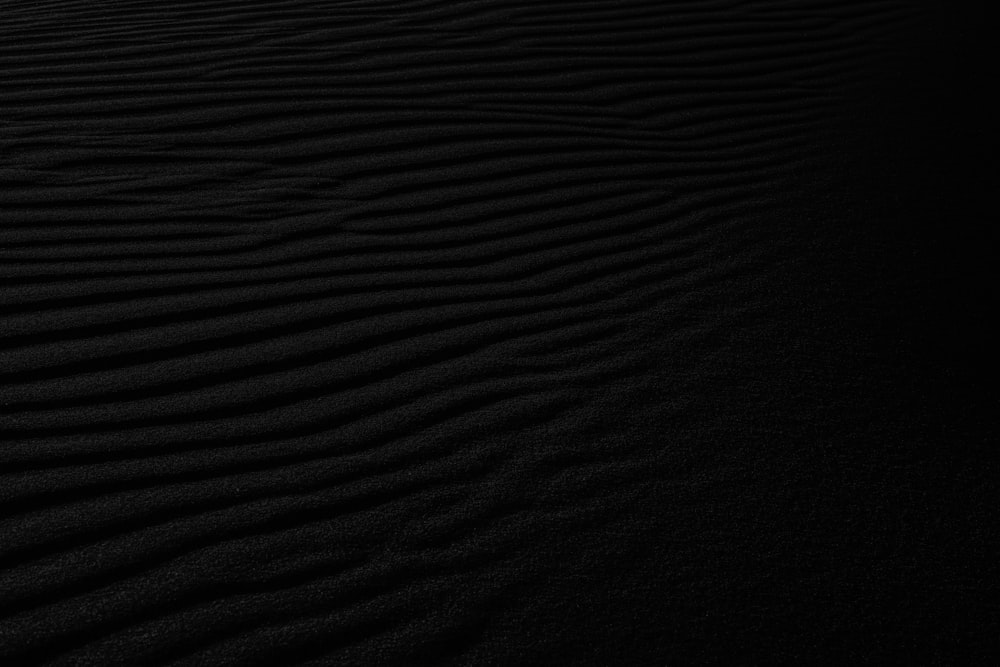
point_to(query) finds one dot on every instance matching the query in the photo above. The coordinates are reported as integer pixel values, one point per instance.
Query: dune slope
(492, 332)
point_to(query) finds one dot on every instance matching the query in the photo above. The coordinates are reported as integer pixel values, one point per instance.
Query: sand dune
(486, 332)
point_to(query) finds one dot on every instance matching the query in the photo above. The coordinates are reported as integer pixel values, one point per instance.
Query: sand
(494, 332)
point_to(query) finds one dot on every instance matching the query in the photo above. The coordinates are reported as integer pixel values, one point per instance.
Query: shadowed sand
(491, 332)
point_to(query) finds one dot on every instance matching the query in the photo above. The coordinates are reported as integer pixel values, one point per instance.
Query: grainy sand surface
(495, 332)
